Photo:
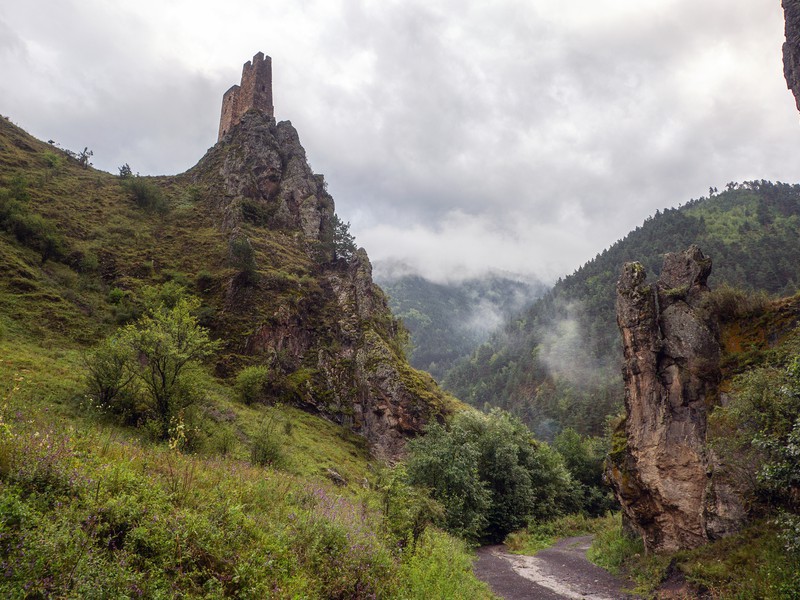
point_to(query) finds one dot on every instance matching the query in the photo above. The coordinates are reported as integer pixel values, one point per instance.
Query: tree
(160, 352)
(125, 171)
(344, 244)
(167, 343)
(490, 475)
(446, 463)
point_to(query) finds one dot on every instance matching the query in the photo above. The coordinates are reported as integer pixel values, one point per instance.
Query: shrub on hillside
(252, 384)
(154, 361)
(145, 194)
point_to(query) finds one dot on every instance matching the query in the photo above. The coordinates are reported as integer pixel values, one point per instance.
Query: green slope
(557, 364)
(92, 508)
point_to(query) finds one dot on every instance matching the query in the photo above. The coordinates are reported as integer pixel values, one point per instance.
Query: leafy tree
(446, 463)
(109, 371)
(490, 475)
(160, 352)
(167, 343)
(584, 458)
(344, 244)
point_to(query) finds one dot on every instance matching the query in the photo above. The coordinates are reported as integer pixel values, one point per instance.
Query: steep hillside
(447, 321)
(223, 487)
(251, 231)
(558, 363)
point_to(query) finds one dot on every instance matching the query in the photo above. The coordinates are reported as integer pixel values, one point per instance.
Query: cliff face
(791, 47)
(302, 307)
(670, 487)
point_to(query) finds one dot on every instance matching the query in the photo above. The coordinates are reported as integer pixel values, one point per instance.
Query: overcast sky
(457, 136)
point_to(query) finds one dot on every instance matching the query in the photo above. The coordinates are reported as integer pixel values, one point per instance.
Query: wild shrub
(31, 229)
(243, 258)
(730, 303)
(267, 446)
(252, 384)
(439, 566)
(407, 510)
(160, 353)
(145, 194)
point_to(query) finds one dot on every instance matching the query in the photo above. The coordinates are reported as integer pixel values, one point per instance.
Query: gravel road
(561, 571)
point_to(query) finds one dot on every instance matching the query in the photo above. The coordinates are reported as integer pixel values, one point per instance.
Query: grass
(751, 564)
(90, 508)
(540, 535)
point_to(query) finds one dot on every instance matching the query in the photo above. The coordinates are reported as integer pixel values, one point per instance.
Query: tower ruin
(255, 91)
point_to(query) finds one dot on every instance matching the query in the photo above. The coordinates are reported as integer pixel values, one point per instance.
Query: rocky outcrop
(660, 467)
(314, 318)
(791, 47)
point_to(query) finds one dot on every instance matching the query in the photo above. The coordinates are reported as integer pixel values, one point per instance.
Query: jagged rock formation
(662, 472)
(791, 47)
(315, 318)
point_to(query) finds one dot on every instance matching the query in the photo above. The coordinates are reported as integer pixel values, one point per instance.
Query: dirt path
(561, 571)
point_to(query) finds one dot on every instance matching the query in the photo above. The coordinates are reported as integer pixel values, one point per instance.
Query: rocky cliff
(791, 47)
(298, 303)
(672, 490)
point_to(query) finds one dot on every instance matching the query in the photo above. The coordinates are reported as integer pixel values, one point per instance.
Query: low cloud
(456, 136)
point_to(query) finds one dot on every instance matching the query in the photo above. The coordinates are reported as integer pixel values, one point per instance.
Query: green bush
(438, 566)
(243, 258)
(145, 194)
(31, 229)
(150, 369)
(267, 447)
(252, 384)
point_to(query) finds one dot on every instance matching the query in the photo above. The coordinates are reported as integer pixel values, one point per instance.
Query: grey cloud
(544, 133)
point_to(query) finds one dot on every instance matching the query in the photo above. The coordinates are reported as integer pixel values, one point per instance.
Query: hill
(557, 364)
(165, 473)
(252, 232)
(447, 321)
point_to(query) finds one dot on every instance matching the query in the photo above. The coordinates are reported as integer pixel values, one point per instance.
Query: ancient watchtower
(255, 91)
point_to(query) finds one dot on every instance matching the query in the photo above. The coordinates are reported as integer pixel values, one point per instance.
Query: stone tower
(255, 91)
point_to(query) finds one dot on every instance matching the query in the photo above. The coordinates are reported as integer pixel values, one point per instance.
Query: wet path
(561, 571)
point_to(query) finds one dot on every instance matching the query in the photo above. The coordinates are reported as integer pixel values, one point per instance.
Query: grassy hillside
(238, 500)
(557, 364)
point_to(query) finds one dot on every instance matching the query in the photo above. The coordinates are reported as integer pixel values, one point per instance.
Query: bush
(161, 353)
(438, 566)
(252, 384)
(243, 258)
(145, 194)
(267, 448)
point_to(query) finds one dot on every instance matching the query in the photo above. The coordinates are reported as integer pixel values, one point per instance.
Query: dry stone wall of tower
(254, 92)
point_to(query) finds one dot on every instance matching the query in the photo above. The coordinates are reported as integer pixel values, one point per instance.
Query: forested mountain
(557, 364)
(447, 321)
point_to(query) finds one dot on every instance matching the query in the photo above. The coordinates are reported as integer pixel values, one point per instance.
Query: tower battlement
(255, 91)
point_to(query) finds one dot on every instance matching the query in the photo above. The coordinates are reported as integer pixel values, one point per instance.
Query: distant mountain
(557, 363)
(447, 321)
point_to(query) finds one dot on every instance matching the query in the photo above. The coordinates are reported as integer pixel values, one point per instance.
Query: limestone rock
(660, 468)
